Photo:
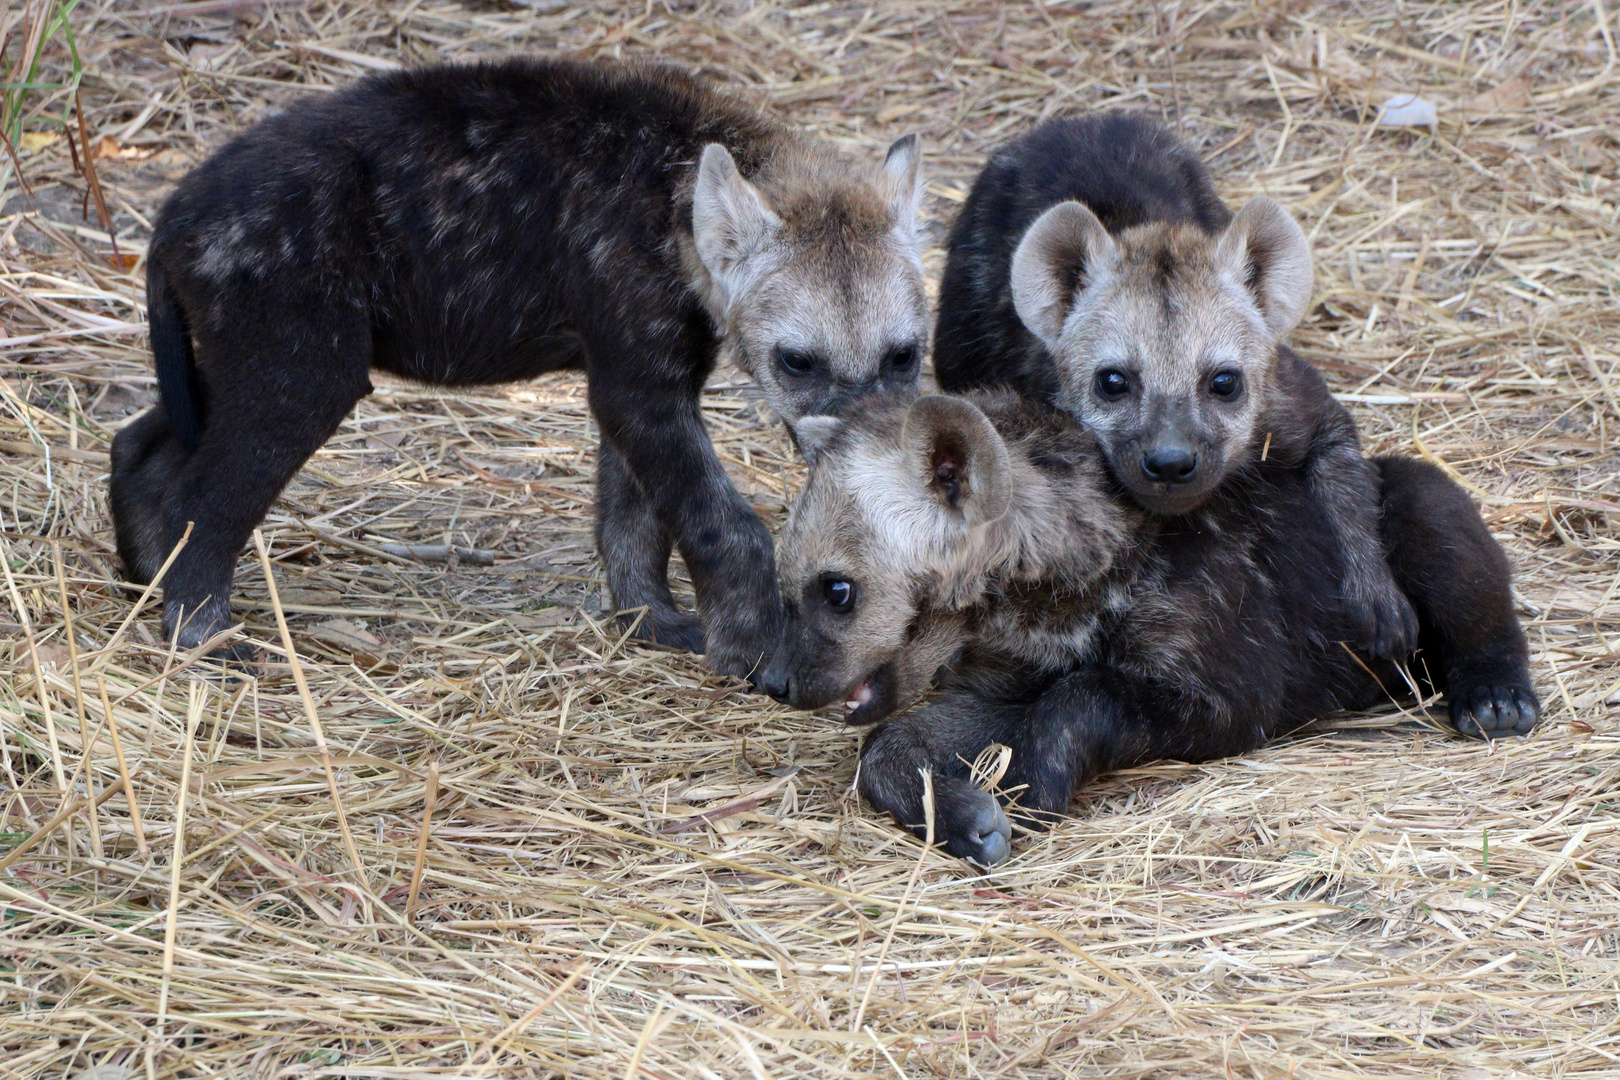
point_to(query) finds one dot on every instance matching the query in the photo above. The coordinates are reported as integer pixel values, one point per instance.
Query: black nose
(775, 682)
(1169, 465)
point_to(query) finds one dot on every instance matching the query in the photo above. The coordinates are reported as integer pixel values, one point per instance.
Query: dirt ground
(552, 852)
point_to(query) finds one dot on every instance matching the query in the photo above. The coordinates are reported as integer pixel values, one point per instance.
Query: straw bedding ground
(631, 869)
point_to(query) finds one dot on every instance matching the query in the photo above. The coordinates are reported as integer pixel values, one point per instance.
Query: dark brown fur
(980, 535)
(481, 224)
(1094, 253)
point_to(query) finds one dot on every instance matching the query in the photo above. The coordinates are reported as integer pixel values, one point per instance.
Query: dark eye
(840, 594)
(1226, 384)
(1112, 383)
(795, 361)
(903, 357)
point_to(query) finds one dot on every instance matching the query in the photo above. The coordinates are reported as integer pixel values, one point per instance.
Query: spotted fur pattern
(1086, 634)
(466, 225)
(1094, 253)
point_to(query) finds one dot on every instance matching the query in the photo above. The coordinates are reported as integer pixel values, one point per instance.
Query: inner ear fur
(1064, 252)
(731, 219)
(958, 457)
(1266, 251)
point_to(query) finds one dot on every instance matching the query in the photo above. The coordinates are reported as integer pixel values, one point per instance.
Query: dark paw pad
(1492, 712)
(972, 826)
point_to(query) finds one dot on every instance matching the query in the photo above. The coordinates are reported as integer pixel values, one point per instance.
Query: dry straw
(578, 856)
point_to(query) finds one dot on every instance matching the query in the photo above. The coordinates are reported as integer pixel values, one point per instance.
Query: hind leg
(635, 549)
(1460, 581)
(145, 459)
(273, 400)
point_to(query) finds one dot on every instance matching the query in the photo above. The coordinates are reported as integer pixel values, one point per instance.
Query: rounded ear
(814, 434)
(1065, 252)
(730, 218)
(958, 457)
(902, 177)
(1266, 252)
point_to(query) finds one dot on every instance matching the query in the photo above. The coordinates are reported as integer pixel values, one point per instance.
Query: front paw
(969, 823)
(741, 649)
(1386, 624)
(1493, 711)
(671, 630)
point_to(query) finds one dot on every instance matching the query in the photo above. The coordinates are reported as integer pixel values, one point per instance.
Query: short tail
(172, 354)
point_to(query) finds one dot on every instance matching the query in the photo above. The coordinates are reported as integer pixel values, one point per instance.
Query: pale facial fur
(913, 517)
(813, 275)
(1165, 338)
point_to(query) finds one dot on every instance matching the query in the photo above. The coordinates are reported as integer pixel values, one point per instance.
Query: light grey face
(830, 327)
(893, 502)
(821, 299)
(1167, 341)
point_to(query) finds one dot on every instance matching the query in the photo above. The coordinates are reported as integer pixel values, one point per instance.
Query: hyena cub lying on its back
(482, 224)
(1086, 635)
(1093, 265)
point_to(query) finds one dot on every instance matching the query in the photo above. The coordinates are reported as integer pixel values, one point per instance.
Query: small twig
(16, 163)
(900, 909)
(743, 805)
(39, 678)
(78, 691)
(172, 924)
(422, 841)
(123, 772)
(50, 826)
(438, 553)
(309, 706)
(495, 1045)
(105, 653)
(94, 181)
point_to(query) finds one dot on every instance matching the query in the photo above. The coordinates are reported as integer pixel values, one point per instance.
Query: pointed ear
(814, 434)
(730, 218)
(1266, 252)
(1065, 252)
(902, 178)
(959, 458)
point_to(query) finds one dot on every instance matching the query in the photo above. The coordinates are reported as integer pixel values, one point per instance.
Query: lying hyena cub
(480, 224)
(1093, 264)
(1089, 635)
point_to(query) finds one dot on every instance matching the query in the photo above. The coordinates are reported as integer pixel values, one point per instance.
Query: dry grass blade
(630, 867)
(312, 713)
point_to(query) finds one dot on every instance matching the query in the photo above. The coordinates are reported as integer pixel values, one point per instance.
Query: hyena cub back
(480, 224)
(1158, 318)
(918, 522)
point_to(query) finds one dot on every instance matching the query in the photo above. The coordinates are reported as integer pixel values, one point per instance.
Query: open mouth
(861, 695)
(872, 699)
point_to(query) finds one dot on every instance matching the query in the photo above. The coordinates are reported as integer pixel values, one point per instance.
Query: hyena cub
(1094, 265)
(926, 528)
(465, 225)
(982, 534)
(928, 523)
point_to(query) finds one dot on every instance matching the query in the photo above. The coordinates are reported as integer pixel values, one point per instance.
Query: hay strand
(628, 865)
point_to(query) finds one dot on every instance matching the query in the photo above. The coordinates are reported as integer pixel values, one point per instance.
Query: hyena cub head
(1165, 337)
(879, 552)
(813, 273)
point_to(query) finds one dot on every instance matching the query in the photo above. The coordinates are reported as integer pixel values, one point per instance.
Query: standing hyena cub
(982, 533)
(1093, 265)
(481, 224)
